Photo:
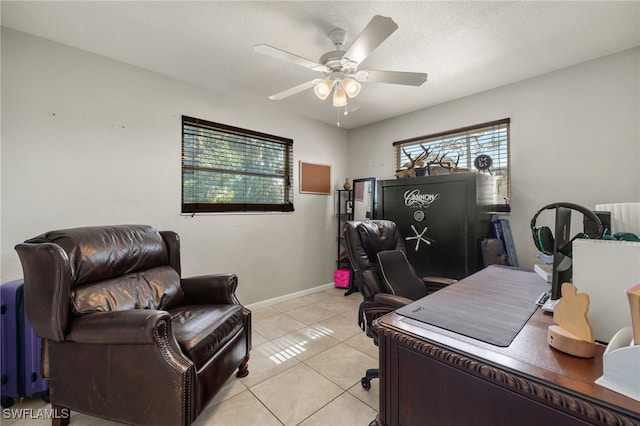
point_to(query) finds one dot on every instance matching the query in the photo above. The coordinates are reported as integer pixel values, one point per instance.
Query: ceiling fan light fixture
(323, 89)
(351, 87)
(339, 96)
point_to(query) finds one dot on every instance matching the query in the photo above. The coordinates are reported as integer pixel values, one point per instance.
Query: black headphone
(543, 237)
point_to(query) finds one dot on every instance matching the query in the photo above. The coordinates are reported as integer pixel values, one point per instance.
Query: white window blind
(228, 169)
(456, 150)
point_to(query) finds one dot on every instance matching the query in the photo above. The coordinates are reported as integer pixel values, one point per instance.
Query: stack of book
(545, 269)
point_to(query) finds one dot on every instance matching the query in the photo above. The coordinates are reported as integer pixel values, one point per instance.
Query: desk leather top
(529, 355)
(492, 307)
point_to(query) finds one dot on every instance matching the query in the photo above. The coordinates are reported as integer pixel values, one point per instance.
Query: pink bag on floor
(342, 277)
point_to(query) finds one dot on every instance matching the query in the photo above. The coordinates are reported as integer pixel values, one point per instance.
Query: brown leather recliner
(124, 336)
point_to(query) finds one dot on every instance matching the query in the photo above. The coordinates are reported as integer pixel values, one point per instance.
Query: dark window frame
(210, 135)
(458, 144)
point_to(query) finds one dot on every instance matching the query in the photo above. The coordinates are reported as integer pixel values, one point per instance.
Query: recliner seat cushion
(202, 329)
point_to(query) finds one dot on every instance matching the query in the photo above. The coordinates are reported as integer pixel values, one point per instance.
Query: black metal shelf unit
(344, 212)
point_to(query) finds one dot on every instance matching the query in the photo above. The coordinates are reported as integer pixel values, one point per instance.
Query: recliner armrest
(210, 289)
(135, 326)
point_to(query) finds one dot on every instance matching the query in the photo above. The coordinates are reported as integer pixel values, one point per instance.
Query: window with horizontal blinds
(481, 148)
(229, 169)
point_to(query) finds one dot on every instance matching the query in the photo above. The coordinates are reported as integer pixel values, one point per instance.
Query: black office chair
(386, 278)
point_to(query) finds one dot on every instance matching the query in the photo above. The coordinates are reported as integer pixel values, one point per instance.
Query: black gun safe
(443, 220)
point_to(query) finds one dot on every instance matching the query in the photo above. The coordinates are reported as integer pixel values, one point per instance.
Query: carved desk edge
(581, 406)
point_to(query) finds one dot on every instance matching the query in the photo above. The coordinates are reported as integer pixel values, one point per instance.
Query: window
(482, 148)
(228, 169)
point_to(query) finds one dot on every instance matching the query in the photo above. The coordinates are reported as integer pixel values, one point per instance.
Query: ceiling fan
(340, 68)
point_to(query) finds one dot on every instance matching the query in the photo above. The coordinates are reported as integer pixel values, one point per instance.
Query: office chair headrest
(379, 235)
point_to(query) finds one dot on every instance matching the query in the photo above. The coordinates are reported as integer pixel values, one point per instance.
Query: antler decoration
(409, 169)
(422, 160)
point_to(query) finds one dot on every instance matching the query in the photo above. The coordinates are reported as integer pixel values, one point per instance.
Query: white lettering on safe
(413, 198)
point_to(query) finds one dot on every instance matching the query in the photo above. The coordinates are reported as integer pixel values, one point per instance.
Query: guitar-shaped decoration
(573, 333)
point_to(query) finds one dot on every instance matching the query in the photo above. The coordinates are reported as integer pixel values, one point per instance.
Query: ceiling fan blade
(299, 88)
(289, 57)
(392, 77)
(376, 31)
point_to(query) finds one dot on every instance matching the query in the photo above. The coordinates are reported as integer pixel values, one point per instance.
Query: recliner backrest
(99, 253)
(97, 269)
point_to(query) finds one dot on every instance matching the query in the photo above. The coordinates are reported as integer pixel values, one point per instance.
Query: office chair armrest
(439, 280)
(382, 304)
(390, 300)
(437, 283)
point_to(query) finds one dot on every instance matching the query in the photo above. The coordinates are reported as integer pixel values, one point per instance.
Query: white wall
(87, 140)
(575, 136)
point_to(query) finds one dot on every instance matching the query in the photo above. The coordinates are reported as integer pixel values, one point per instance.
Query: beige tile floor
(306, 363)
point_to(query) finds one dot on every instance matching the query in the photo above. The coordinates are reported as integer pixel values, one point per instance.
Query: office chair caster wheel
(366, 383)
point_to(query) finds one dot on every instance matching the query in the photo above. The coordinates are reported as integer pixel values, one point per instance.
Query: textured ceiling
(465, 47)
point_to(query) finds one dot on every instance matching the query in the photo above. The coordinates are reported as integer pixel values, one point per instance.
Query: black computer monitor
(562, 263)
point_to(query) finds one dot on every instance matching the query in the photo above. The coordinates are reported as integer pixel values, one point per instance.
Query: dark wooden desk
(431, 376)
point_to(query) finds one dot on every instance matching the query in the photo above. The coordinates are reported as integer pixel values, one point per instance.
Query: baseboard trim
(280, 299)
